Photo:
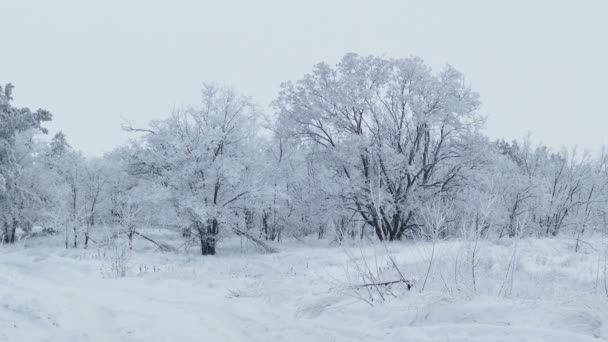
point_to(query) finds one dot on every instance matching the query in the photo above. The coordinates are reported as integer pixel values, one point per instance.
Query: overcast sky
(540, 66)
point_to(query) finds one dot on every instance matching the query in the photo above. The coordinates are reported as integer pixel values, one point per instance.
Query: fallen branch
(162, 246)
(266, 247)
(408, 283)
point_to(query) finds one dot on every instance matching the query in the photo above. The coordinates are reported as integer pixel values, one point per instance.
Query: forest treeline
(370, 147)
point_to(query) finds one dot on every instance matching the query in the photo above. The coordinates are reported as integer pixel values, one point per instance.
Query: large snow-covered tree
(201, 156)
(16, 199)
(393, 131)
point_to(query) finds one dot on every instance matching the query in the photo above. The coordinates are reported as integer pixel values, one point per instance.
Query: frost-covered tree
(70, 171)
(17, 125)
(544, 190)
(291, 196)
(392, 131)
(131, 203)
(202, 156)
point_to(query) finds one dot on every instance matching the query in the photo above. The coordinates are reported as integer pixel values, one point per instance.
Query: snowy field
(532, 290)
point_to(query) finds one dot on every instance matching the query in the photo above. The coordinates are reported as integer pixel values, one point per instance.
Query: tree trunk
(130, 235)
(5, 234)
(207, 246)
(389, 228)
(13, 231)
(265, 225)
(75, 238)
(207, 234)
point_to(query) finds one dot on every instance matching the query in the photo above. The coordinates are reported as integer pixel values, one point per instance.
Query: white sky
(540, 66)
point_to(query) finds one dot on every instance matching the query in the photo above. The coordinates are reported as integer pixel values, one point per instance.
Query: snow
(301, 294)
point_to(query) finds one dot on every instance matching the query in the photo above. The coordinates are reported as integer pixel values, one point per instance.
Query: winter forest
(370, 181)
(385, 149)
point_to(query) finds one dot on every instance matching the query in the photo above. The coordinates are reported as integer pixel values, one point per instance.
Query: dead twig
(408, 283)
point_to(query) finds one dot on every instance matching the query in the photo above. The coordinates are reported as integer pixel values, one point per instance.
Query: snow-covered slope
(301, 294)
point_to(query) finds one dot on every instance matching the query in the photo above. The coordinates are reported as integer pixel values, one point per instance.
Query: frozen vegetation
(367, 205)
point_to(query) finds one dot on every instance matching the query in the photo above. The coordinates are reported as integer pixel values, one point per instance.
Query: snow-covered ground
(535, 290)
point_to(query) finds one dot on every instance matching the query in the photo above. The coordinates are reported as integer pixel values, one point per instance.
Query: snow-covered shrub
(374, 277)
(116, 259)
